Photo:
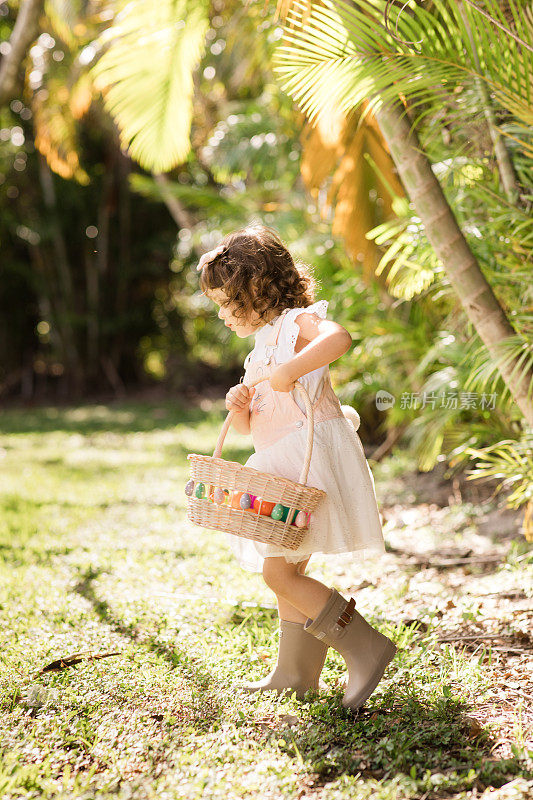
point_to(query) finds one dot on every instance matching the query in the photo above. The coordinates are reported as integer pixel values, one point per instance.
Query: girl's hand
(239, 397)
(281, 379)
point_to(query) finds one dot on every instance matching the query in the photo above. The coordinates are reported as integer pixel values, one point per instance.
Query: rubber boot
(365, 650)
(300, 661)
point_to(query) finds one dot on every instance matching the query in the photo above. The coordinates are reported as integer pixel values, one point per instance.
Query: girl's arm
(241, 420)
(238, 399)
(326, 342)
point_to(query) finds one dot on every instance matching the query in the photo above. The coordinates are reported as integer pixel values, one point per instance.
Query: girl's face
(238, 326)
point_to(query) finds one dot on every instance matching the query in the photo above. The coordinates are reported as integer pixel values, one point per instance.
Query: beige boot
(300, 661)
(365, 650)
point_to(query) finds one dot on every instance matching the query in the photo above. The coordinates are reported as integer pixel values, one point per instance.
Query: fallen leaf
(69, 661)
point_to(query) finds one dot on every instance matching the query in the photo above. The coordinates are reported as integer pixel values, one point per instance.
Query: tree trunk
(24, 32)
(65, 288)
(122, 266)
(179, 213)
(445, 236)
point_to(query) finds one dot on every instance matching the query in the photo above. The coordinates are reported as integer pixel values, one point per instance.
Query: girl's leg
(300, 655)
(286, 610)
(307, 595)
(334, 622)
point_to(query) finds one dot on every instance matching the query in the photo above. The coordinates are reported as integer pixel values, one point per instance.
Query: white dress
(347, 520)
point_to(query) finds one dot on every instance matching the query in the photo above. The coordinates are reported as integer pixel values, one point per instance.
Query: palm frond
(63, 16)
(515, 349)
(412, 263)
(56, 134)
(145, 75)
(363, 178)
(350, 48)
(193, 196)
(512, 461)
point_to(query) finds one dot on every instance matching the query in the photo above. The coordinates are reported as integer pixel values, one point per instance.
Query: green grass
(97, 555)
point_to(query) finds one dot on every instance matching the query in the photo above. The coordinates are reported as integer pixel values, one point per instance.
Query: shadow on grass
(432, 743)
(25, 554)
(15, 504)
(207, 707)
(428, 744)
(121, 418)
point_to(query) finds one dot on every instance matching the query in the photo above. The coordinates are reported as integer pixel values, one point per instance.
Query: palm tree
(348, 49)
(144, 63)
(342, 51)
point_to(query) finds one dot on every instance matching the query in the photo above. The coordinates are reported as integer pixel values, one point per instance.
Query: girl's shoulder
(288, 332)
(290, 329)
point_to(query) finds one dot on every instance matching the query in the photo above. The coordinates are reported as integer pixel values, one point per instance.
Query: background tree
(237, 149)
(446, 64)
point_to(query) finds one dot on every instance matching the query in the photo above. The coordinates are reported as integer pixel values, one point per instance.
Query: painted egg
(199, 492)
(263, 506)
(301, 520)
(294, 515)
(219, 496)
(189, 486)
(252, 499)
(235, 501)
(279, 512)
(245, 501)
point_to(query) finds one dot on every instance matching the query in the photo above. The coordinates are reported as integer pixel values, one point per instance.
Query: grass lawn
(98, 557)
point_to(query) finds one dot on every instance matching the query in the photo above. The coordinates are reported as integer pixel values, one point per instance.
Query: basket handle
(310, 428)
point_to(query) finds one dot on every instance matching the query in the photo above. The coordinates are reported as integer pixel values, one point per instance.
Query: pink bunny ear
(207, 257)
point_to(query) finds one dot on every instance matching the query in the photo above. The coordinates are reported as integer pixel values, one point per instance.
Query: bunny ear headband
(207, 257)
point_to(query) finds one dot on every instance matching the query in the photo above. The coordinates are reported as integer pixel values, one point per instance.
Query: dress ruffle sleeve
(312, 381)
(290, 327)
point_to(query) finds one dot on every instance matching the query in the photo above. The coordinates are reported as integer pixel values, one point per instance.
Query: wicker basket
(215, 472)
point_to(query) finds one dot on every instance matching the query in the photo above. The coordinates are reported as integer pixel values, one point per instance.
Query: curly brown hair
(257, 273)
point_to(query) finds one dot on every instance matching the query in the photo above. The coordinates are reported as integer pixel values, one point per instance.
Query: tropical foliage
(146, 76)
(349, 52)
(117, 92)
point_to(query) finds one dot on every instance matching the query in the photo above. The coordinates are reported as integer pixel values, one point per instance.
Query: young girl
(260, 290)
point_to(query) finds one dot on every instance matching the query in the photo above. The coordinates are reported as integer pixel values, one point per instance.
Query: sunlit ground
(98, 557)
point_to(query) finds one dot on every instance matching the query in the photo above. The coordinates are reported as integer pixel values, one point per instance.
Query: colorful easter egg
(235, 501)
(245, 501)
(294, 515)
(189, 486)
(219, 496)
(263, 506)
(279, 512)
(199, 492)
(301, 520)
